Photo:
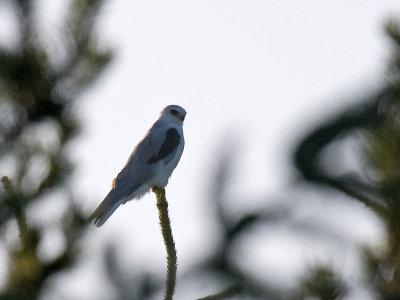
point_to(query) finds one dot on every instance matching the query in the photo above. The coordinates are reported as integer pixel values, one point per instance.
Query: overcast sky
(260, 73)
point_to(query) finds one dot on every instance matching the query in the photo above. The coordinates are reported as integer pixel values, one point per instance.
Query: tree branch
(166, 231)
(225, 294)
(17, 210)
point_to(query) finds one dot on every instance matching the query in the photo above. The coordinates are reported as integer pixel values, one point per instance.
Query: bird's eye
(174, 112)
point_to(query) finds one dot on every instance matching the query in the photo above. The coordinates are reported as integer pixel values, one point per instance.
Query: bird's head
(173, 113)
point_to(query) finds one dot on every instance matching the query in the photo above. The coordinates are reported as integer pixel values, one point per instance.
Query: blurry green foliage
(375, 119)
(38, 85)
(321, 283)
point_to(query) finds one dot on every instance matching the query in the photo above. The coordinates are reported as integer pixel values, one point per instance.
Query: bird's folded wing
(160, 143)
(169, 146)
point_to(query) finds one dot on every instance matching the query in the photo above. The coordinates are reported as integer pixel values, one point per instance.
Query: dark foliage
(37, 89)
(375, 118)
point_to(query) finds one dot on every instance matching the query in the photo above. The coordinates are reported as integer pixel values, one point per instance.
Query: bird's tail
(105, 209)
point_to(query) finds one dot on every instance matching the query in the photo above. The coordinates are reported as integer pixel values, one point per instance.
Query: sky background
(253, 75)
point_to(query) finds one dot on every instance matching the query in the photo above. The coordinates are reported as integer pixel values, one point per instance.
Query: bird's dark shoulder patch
(169, 145)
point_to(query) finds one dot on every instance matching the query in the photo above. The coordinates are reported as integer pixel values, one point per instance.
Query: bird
(149, 166)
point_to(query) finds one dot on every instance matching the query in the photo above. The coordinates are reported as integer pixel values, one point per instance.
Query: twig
(166, 231)
(17, 209)
(225, 294)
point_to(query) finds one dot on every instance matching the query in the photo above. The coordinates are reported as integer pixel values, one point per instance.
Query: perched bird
(150, 164)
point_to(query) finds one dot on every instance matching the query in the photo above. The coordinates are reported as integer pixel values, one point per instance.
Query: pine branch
(166, 231)
(17, 210)
(225, 294)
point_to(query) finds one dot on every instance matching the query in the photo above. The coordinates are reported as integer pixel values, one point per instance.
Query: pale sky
(258, 72)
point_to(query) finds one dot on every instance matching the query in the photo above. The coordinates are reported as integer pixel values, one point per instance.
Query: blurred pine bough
(38, 85)
(39, 81)
(375, 120)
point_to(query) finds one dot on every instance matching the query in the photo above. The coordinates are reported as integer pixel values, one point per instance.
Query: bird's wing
(169, 146)
(160, 143)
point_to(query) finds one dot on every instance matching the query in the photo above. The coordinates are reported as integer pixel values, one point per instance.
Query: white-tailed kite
(150, 164)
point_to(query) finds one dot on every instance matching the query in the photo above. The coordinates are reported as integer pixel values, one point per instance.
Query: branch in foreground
(225, 294)
(166, 231)
(17, 209)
